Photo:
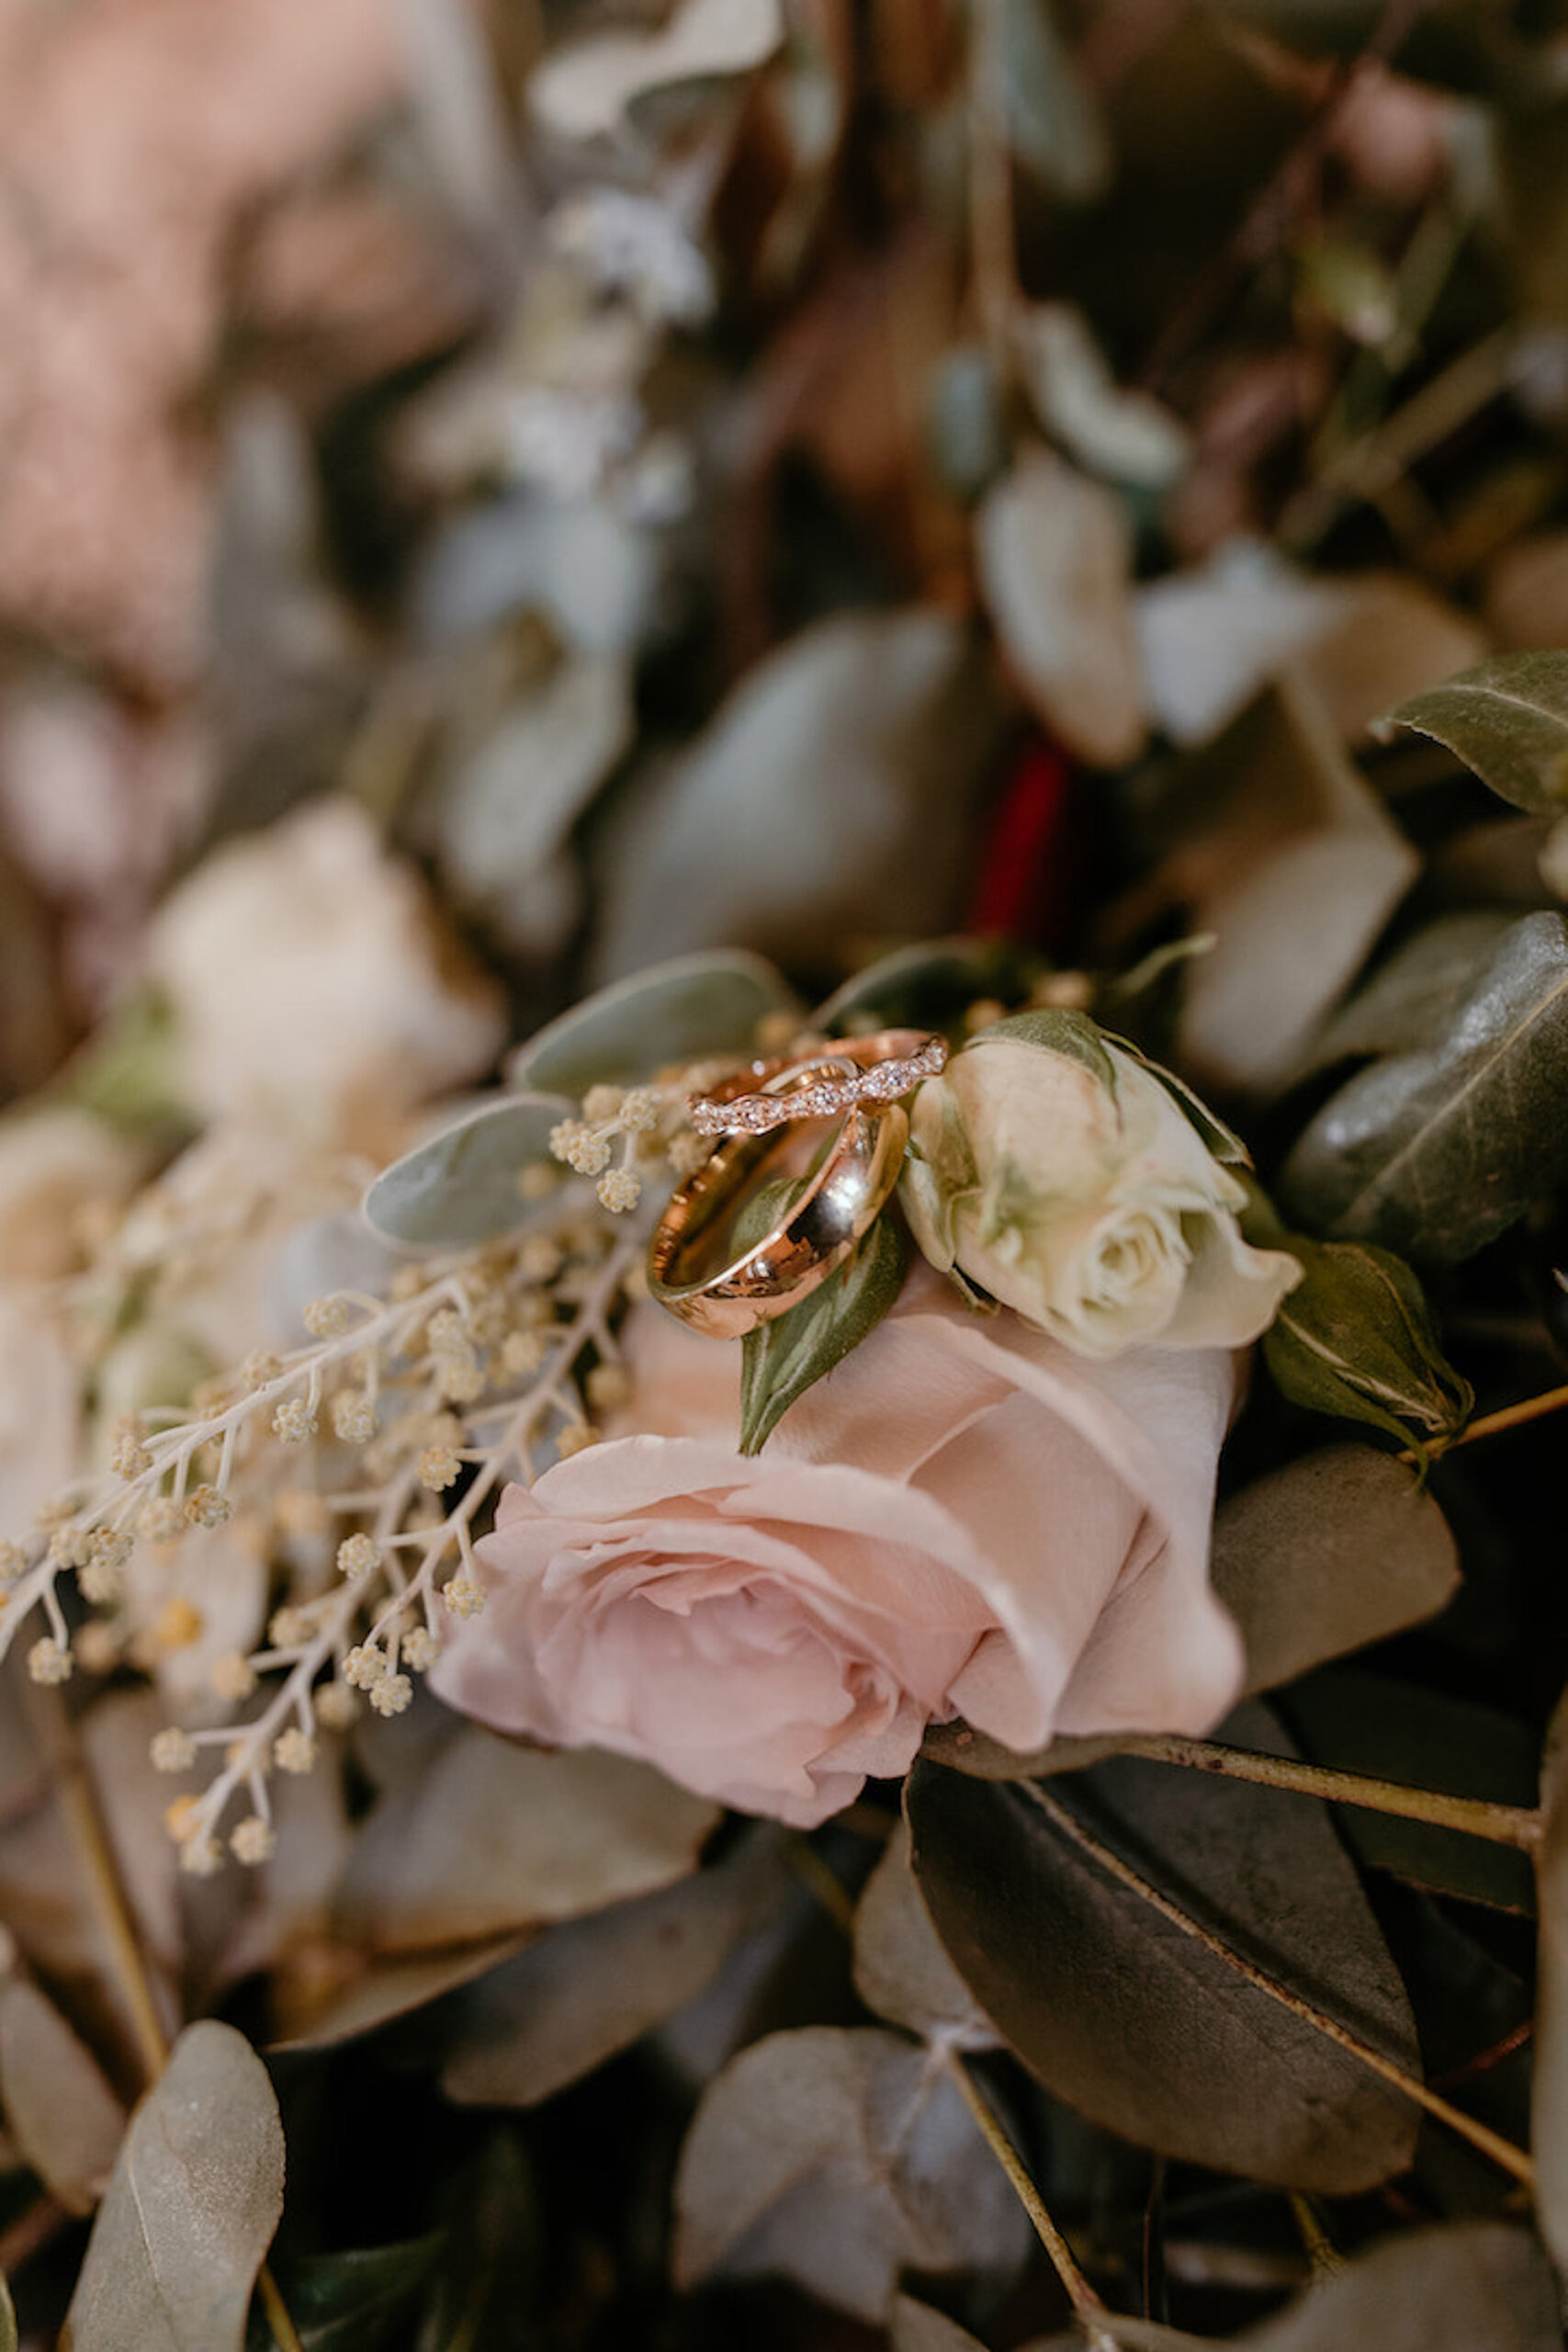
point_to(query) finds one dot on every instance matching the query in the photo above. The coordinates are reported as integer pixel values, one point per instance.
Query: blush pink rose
(963, 1518)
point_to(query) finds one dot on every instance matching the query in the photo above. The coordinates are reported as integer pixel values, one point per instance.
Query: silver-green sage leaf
(1507, 719)
(462, 1185)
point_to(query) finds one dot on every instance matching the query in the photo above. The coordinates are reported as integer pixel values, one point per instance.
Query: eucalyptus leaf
(930, 985)
(461, 1187)
(1507, 719)
(350, 2302)
(592, 1987)
(190, 2211)
(1147, 2032)
(1355, 1338)
(1549, 2095)
(1338, 1549)
(916, 2328)
(901, 1971)
(1363, 1722)
(683, 1011)
(493, 1838)
(1434, 1153)
(837, 2157)
(382, 1987)
(1476, 2286)
(60, 2110)
(781, 1359)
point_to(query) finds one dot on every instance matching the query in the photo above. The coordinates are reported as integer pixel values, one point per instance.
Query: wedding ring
(691, 1269)
(872, 1069)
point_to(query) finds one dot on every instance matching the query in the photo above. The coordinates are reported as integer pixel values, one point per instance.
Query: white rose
(310, 984)
(1071, 1187)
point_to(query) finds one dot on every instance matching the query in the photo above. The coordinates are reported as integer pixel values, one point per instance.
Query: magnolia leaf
(1435, 1152)
(190, 2210)
(1056, 557)
(1549, 2095)
(1355, 1338)
(63, 2116)
(494, 1838)
(1143, 2030)
(1338, 1549)
(683, 1011)
(589, 1988)
(1507, 719)
(1059, 1031)
(901, 1971)
(1363, 1722)
(462, 1186)
(915, 2327)
(1413, 996)
(781, 1359)
(929, 986)
(350, 2302)
(838, 2158)
(582, 90)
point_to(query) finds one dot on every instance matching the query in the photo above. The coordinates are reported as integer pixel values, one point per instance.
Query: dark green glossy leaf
(1507, 719)
(782, 1359)
(1434, 1153)
(1338, 1549)
(350, 2302)
(1363, 1722)
(1355, 1338)
(1411, 998)
(463, 1185)
(1143, 2030)
(678, 1011)
(929, 986)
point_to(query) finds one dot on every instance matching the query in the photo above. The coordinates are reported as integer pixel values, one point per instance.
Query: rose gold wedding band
(874, 1070)
(812, 1238)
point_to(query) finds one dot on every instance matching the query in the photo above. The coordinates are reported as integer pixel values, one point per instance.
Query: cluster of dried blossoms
(361, 1463)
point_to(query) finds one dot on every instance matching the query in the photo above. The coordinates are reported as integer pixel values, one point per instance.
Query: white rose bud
(1069, 1184)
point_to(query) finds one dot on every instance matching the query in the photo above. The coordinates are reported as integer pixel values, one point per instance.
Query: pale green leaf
(784, 1357)
(1355, 1338)
(683, 1011)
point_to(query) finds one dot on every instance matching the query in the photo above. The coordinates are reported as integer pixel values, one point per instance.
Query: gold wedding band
(691, 1269)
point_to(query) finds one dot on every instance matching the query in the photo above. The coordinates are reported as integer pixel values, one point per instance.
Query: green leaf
(1413, 997)
(350, 2302)
(462, 1186)
(1434, 1153)
(191, 2208)
(901, 1971)
(682, 1010)
(1059, 1031)
(916, 2328)
(1338, 1549)
(782, 1359)
(1362, 1721)
(1507, 719)
(59, 2107)
(1143, 2030)
(929, 985)
(1355, 1338)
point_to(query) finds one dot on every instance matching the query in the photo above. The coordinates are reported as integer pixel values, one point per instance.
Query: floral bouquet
(783, 1066)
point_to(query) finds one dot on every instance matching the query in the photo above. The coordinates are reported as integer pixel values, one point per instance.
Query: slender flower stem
(1502, 2152)
(1087, 2304)
(1504, 1825)
(1507, 1416)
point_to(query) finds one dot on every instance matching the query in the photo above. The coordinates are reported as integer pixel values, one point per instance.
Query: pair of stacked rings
(691, 1268)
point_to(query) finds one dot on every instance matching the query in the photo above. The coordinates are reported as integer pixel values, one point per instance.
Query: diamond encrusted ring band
(871, 1069)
